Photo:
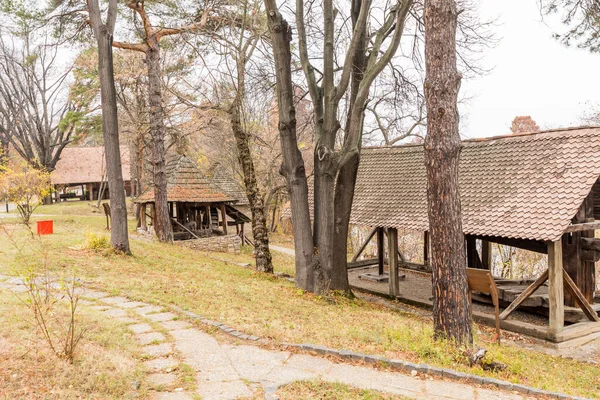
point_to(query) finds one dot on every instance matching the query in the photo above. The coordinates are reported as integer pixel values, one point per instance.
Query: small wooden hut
(198, 208)
(538, 191)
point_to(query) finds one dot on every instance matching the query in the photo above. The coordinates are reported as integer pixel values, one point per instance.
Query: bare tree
(451, 314)
(103, 32)
(35, 111)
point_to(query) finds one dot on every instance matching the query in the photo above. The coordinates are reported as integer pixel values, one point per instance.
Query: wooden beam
(586, 226)
(188, 231)
(224, 218)
(555, 287)
(590, 244)
(364, 245)
(579, 298)
(524, 295)
(143, 217)
(393, 261)
(486, 254)
(590, 255)
(380, 249)
(426, 247)
(526, 244)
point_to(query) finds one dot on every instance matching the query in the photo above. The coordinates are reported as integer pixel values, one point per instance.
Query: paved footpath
(228, 371)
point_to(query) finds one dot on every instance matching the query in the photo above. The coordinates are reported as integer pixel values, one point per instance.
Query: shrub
(96, 242)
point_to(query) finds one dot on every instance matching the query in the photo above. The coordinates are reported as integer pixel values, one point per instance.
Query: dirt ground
(416, 287)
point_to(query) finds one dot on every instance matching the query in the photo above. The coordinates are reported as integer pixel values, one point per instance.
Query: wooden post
(393, 261)
(224, 218)
(471, 249)
(486, 254)
(426, 248)
(153, 216)
(587, 283)
(380, 249)
(143, 216)
(555, 286)
(208, 217)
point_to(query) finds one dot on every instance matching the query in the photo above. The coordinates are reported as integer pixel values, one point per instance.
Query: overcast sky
(533, 74)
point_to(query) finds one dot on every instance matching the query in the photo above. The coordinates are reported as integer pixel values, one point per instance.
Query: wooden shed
(81, 172)
(198, 207)
(538, 192)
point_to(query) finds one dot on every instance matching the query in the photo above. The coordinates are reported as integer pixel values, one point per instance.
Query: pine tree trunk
(293, 165)
(451, 314)
(162, 223)
(118, 234)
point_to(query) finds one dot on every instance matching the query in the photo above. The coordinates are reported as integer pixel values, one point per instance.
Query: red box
(45, 227)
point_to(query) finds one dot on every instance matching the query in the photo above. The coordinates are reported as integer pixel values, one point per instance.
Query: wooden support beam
(186, 229)
(364, 245)
(525, 244)
(486, 254)
(393, 261)
(524, 295)
(380, 249)
(224, 218)
(585, 226)
(555, 287)
(590, 244)
(143, 217)
(590, 256)
(579, 298)
(426, 248)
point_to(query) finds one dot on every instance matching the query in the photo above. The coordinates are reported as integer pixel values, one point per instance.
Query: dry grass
(309, 390)
(104, 367)
(273, 308)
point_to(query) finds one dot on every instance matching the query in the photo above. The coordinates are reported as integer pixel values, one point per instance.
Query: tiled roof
(186, 183)
(79, 165)
(220, 177)
(520, 186)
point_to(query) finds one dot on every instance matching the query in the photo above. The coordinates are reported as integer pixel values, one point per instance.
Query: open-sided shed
(196, 205)
(531, 191)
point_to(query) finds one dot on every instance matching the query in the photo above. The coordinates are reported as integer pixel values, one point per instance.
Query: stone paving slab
(93, 294)
(224, 390)
(166, 316)
(127, 320)
(140, 328)
(175, 325)
(159, 364)
(160, 379)
(158, 350)
(171, 396)
(147, 310)
(115, 300)
(115, 312)
(131, 304)
(147, 338)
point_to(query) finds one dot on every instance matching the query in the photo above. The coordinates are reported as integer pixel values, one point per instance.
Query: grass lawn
(308, 390)
(105, 364)
(273, 308)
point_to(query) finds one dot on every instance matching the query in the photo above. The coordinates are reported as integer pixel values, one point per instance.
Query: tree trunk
(118, 234)
(451, 314)
(292, 167)
(162, 223)
(259, 222)
(346, 179)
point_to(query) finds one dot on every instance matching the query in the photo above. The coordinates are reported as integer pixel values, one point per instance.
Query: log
(393, 261)
(590, 244)
(579, 298)
(590, 255)
(586, 226)
(556, 300)
(364, 245)
(524, 295)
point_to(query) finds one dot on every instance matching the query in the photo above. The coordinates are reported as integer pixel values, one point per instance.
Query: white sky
(533, 74)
